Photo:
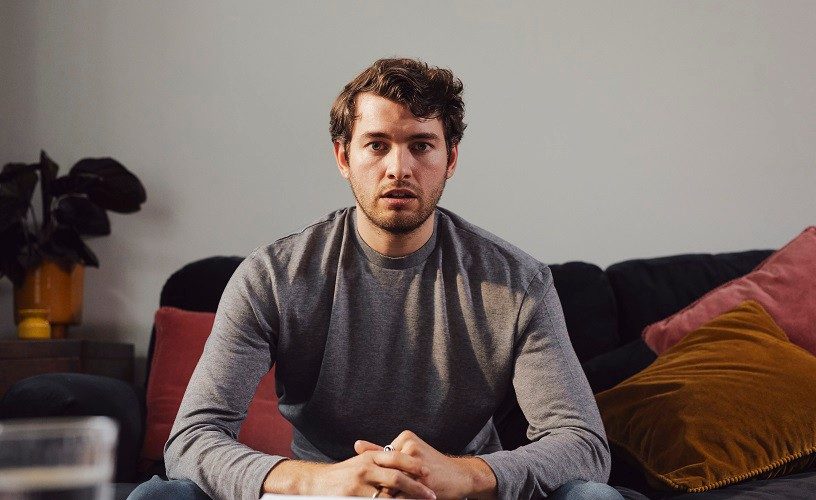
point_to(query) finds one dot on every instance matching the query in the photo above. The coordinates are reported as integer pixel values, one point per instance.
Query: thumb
(362, 446)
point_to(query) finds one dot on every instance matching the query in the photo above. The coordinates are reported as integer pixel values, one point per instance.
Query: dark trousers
(182, 489)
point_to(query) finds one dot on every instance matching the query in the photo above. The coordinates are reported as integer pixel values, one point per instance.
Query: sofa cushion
(648, 290)
(589, 308)
(180, 339)
(716, 408)
(785, 285)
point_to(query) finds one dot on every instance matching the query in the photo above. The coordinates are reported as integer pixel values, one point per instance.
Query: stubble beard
(397, 222)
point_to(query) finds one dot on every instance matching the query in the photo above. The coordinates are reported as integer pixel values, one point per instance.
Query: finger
(409, 443)
(396, 460)
(361, 446)
(383, 492)
(401, 482)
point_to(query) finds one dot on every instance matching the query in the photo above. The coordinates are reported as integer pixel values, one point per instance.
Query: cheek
(365, 179)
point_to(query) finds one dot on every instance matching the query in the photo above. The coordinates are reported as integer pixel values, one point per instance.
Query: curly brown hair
(428, 92)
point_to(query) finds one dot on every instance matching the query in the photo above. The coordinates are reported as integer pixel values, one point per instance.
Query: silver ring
(388, 447)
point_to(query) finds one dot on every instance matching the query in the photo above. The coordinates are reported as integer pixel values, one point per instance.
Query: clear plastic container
(57, 458)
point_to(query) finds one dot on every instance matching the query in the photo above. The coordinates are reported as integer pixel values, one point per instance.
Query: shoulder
(313, 236)
(292, 254)
(481, 251)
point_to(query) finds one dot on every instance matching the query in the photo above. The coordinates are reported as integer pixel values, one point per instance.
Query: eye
(421, 147)
(377, 146)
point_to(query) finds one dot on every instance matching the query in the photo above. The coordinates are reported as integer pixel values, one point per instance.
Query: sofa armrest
(76, 394)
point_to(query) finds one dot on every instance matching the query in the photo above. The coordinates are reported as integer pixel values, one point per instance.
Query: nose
(398, 164)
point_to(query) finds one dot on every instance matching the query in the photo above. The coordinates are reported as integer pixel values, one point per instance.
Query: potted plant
(45, 257)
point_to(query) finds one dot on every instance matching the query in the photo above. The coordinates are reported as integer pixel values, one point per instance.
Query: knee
(157, 489)
(586, 490)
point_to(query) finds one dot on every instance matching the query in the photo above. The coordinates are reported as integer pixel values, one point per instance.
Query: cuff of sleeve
(260, 469)
(512, 474)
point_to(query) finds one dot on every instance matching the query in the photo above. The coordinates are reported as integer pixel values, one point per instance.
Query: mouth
(399, 194)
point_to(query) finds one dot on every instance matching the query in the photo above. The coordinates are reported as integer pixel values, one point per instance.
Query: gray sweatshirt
(366, 346)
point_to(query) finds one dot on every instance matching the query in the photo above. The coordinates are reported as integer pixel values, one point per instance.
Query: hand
(448, 477)
(362, 475)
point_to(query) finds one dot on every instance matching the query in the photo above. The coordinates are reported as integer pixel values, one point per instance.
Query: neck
(390, 244)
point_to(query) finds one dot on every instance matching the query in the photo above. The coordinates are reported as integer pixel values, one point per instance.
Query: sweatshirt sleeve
(565, 426)
(202, 446)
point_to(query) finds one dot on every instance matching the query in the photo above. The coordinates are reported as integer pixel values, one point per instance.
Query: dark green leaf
(68, 184)
(65, 246)
(48, 172)
(116, 188)
(19, 179)
(84, 216)
(12, 170)
(15, 192)
(11, 211)
(49, 168)
(12, 245)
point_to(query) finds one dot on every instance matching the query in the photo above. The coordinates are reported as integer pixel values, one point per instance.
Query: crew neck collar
(404, 262)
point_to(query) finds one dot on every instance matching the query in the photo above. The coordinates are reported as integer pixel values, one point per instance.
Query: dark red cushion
(180, 338)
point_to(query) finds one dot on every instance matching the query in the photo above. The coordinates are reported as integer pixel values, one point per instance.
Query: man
(396, 323)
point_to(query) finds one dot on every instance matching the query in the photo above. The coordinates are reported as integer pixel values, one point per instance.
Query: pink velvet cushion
(784, 284)
(180, 338)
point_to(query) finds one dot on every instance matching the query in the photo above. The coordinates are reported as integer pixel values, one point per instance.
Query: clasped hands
(414, 469)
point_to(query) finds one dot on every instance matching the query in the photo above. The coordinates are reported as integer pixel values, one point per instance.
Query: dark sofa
(605, 311)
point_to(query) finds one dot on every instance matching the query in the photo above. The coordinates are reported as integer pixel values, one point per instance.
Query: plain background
(598, 131)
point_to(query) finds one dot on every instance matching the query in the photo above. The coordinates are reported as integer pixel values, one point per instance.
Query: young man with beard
(393, 322)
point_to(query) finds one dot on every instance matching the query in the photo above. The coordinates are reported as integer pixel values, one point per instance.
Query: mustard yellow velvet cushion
(733, 400)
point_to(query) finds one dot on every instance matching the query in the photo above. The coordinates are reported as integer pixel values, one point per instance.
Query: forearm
(290, 477)
(537, 469)
(221, 466)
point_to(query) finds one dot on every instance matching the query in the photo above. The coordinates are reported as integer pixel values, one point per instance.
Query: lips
(399, 194)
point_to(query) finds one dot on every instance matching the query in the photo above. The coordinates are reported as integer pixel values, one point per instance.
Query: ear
(340, 158)
(454, 155)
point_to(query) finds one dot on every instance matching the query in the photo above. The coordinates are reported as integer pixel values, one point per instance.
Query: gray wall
(598, 131)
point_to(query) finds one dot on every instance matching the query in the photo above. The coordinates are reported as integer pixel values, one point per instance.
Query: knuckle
(395, 477)
(406, 434)
(410, 447)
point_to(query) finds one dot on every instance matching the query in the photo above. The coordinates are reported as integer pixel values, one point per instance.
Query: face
(396, 164)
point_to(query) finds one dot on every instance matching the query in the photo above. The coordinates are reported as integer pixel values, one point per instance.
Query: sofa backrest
(608, 309)
(648, 290)
(589, 306)
(603, 309)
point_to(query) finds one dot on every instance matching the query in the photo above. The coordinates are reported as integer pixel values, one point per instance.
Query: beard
(398, 222)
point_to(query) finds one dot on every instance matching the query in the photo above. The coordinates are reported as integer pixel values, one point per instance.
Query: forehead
(381, 115)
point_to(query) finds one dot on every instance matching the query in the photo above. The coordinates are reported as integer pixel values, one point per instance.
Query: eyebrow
(412, 137)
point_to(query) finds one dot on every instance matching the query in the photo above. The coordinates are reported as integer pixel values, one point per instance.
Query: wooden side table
(24, 358)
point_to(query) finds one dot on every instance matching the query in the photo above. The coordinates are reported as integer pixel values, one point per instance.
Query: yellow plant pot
(56, 290)
(34, 324)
